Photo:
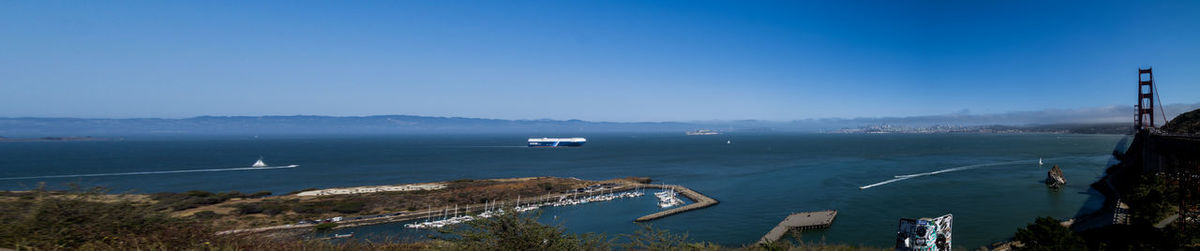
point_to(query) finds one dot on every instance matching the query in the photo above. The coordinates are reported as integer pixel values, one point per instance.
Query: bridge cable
(1161, 110)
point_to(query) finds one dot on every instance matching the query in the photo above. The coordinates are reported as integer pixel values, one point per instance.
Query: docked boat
(491, 209)
(557, 142)
(667, 198)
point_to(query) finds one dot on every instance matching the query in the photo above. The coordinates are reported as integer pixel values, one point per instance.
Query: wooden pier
(699, 201)
(800, 221)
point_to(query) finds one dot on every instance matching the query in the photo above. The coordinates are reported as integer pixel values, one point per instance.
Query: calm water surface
(759, 178)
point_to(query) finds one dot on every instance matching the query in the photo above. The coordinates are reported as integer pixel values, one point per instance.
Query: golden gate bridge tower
(1169, 155)
(1145, 105)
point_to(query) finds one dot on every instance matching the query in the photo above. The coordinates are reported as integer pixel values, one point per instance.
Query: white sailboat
(1040, 162)
(259, 163)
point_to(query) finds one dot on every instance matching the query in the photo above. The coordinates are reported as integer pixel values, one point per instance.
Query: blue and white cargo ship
(556, 142)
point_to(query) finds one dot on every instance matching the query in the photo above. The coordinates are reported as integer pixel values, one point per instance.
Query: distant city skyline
(591, 60)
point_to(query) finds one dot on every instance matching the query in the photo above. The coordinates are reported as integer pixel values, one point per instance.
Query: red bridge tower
(1145, 106)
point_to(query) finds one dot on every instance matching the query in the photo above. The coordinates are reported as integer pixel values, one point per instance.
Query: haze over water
(759, 178)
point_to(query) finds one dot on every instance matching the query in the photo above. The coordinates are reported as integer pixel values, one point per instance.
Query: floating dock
(800, 221)
(699, 201)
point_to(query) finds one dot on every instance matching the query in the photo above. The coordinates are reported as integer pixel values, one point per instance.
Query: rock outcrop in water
(1054, 178)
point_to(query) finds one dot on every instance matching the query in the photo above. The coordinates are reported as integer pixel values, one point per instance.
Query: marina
(439, 217)
(490, 210)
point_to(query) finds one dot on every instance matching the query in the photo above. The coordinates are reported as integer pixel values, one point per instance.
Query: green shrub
(310, 208)
(348, 207)
(325, 226)
(259, 194)
(192, 199)
(206, 215)
(1152, 200)
(321, 207)
(76, 221)
(516, 232)
(1046, 233)
(302, 190)
(249, 208)
(649, 238)
(198, 193)
(274, 208)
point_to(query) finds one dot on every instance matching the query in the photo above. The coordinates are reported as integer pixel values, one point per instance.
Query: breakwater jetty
(699, 201)
(800, 221)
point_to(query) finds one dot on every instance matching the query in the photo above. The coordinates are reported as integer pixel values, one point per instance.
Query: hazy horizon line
(1098, 114)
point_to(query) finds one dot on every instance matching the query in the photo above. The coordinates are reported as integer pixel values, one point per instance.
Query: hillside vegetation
(93, 220)
(1184, 123)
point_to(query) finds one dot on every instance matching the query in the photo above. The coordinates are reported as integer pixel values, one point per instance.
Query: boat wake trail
(910, 176)
(151, 172)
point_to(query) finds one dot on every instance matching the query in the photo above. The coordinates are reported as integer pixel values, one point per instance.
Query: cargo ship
(556, 142)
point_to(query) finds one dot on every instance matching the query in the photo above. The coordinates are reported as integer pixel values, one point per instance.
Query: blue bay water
(759, 178)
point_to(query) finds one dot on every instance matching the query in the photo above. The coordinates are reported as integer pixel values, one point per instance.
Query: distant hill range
(251, 125)
(1101, 128)
(404, 124)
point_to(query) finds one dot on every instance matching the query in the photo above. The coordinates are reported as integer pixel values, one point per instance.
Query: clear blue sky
(592, 60)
